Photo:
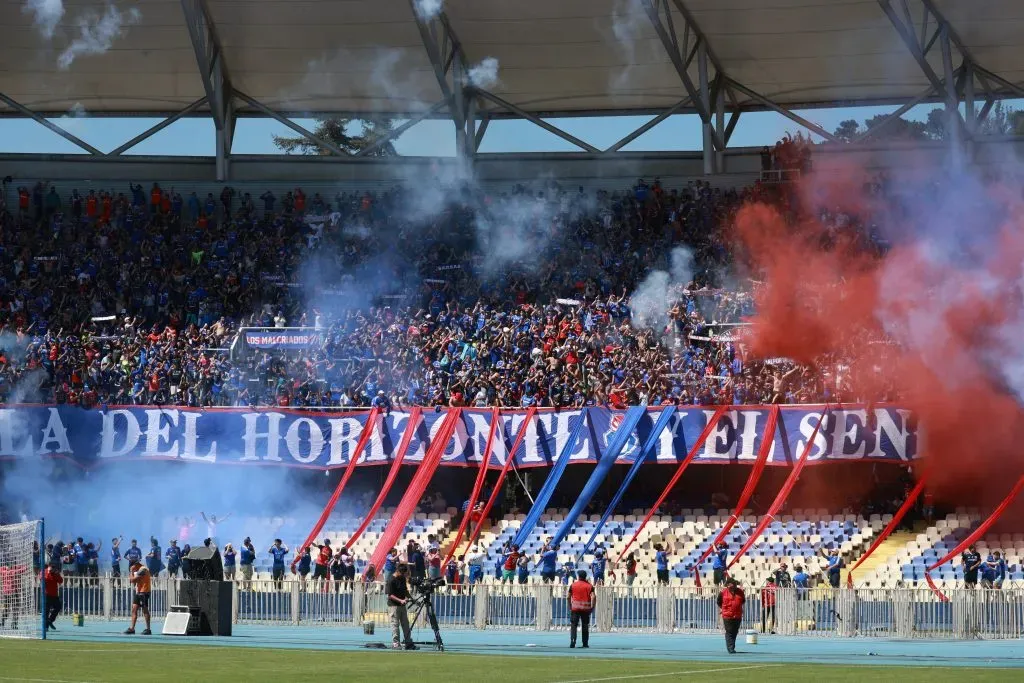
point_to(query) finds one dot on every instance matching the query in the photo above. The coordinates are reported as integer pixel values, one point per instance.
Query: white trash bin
(751, 637)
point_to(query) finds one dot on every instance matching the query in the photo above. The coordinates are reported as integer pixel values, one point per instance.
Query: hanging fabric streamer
(604, 465)
(975, 535)
(649, 448)
(478, 485)
(540, 503)
(694, 449)
(414, 493)
(364, 438)
(520, 436)
(889, 528)
(783, 492)
(403, 446)
(748, 489)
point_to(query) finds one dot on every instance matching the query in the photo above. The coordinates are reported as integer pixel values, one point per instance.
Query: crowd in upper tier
(534, 296)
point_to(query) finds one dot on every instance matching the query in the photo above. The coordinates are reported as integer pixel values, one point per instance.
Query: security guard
(581, 606)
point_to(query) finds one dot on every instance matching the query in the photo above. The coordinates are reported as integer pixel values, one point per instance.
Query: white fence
(881, 613)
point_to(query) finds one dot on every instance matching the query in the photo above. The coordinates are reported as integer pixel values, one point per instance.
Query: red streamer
(364, 438)
(697, 445)
(978, 533)
(748, 489)
(893, 523)
(530, 412)
(783, 493)
(396, 465)
(411, 498)
(478, 486)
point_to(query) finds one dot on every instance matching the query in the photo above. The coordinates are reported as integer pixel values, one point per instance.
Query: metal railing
(904, 613)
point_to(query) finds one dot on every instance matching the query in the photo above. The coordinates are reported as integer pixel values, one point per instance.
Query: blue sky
(195, 136)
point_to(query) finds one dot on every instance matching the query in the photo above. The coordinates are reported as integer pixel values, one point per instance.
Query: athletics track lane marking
(671, 673)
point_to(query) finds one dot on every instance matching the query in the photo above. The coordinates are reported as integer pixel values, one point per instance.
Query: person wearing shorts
(142, 580)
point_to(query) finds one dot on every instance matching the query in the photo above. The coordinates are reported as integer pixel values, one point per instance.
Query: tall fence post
(666, 609)
(108, 597)
(234, 602)
(481, 606)
(296, 603)
(605, 609)
(358, 602)
(543, 596)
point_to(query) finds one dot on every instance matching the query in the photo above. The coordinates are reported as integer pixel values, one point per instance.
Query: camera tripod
(426, 601)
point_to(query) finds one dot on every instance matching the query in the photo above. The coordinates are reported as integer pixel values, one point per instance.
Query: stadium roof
(554, 56)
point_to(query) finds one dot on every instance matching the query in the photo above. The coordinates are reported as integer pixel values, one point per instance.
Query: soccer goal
(19, 588)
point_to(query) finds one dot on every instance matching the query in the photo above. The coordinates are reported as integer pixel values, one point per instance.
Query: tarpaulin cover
(648, 448)
(396, 465)
(364, 438)
(540, 503)
(694, 449)
(783, 493)
(509, 459)
(970, 540)
(604, 465)
(748, 490)
(889, 528)
(414, 493)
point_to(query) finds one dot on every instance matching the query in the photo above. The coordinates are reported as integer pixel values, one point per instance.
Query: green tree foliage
(337, 131)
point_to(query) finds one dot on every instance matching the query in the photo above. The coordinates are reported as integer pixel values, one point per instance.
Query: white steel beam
(796, 118)
(325, 144)
(508, 106)
(146, 134)
(46, 123)
(647, 126)
(214, 74)
(396, 132)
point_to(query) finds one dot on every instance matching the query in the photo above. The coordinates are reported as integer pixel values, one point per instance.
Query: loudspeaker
(205, 564)
(212, 600)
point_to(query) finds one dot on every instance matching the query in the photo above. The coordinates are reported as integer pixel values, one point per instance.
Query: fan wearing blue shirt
(115, 557)
(835, 566)
(597, 567)
(280, 552)
(661, 563)
(801, 581)
(720, 563)
(988, 571)
(81, 557)
(548, 564)
(153, 560)
(134, 553)
(173, 556)
(1000, 570)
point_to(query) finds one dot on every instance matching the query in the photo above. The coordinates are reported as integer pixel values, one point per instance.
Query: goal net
(19, 593)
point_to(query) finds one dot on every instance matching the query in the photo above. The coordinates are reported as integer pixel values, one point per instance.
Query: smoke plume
(483, 75)
(660, 290)
(46, 15)
(97, 33)
(428, 9)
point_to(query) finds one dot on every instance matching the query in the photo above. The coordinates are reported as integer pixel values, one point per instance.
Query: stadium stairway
(867, 573)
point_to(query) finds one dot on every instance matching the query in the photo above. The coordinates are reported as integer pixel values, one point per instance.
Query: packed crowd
(129, 296)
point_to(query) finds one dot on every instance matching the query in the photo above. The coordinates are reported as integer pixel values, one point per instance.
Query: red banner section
(694, 449)
(520, 436)
(364, 438)
(748, 489)
(411, 499)
(970, 540)
(396, 466)
(783, 493)
(890, 527)
(478, 486)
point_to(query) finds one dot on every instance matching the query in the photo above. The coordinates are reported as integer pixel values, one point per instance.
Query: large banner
(326, 440)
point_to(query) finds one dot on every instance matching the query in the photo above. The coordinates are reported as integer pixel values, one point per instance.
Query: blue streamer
(548, 490)
(650, 445)
(604, 465)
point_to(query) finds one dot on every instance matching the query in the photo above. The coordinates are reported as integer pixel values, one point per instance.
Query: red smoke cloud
(956, 327)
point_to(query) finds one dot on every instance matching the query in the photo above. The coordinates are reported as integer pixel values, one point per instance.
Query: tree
(847, 130)
(1002, 121)
(336, 130)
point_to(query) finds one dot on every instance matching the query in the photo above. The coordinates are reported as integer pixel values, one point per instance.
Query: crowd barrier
(823, 612)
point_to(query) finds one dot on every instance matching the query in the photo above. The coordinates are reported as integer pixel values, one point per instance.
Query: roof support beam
(659, 12)
(884, 123)
(46, 123)
(796, 118)
(396, 132)
(448, 61)
(325, 144)
(649, 125)
(508, 106)
(481, 130)
(146, 134)
(214, 74)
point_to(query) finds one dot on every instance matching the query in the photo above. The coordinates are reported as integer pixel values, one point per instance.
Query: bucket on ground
(751, 637)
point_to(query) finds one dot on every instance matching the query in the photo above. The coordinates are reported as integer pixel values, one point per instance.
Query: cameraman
(398, 596)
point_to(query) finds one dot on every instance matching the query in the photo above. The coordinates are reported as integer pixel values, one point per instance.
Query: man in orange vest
(581, 606)
(731, 600)
(142, 580)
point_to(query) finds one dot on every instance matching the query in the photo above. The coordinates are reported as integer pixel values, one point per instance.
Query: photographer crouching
(398, 596)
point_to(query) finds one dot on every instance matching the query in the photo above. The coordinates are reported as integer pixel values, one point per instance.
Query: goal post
(21, 595)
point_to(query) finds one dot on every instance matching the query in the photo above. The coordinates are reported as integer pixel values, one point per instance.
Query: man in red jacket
(51, 583)
(10, 594)
(731, 600)
(581, 606)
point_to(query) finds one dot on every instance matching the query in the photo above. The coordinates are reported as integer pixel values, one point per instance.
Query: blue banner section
(326, 440)
(274, 338)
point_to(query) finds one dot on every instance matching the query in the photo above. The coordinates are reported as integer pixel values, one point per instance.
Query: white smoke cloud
(483, 75)
(428, 9)
(97, 33)
(660, 290)
(46, 15)
(628, 24)
(72, 120)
